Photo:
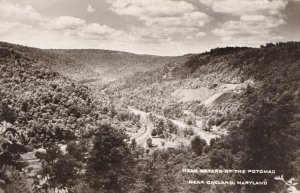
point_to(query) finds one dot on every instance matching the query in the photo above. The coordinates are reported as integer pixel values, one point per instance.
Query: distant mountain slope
(112, 65)
(92, 65)
(230, 65)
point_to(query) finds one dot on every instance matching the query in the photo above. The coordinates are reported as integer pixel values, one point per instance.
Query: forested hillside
(230, 108)
(92, 65)
(252, 93)
(214, 80)
(112, 65)
(47, 125)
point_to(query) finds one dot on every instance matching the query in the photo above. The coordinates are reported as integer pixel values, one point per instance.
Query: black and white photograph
(149, 96)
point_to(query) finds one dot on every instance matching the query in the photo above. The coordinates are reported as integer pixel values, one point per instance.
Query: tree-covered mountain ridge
(211, 83)
(91, 65)
(44, 116)
(236, 64)
(253, 93)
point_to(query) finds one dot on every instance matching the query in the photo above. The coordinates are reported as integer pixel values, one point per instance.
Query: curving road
(141, 138)
(147, 127)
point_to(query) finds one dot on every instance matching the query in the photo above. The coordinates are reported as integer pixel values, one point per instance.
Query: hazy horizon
(144, 53)
(157, 27)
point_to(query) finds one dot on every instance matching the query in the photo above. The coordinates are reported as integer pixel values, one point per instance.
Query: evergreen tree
(110, 165)
(268, 139)
(197, 145)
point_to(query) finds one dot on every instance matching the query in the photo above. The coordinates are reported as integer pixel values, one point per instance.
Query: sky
(157, 27)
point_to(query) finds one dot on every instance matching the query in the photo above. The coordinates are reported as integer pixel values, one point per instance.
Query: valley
(82, 120)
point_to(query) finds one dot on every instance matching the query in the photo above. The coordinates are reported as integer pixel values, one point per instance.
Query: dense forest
(92, 65)
(60, 134)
